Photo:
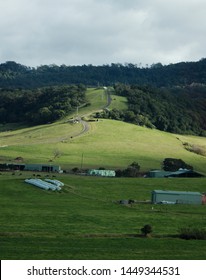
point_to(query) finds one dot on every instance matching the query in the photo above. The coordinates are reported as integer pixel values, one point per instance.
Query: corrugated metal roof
(183, 171)
(176, 192)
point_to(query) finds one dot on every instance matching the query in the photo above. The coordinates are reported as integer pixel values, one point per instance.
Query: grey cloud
(94, 31)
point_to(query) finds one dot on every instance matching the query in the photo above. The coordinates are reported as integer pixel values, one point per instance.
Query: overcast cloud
(71, 32)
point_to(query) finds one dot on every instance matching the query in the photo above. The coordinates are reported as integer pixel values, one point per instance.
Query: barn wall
(177, 197)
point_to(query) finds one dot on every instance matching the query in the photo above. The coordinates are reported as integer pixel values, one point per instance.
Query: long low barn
(176, 197)
(182, 173)
(31, 167)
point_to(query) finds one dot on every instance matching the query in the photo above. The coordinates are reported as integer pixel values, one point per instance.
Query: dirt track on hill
(85, 124)
(79, 119)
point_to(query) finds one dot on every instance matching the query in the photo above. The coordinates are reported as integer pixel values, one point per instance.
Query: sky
(77, 32)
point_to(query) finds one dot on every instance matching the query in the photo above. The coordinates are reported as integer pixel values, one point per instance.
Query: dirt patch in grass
(197, 149)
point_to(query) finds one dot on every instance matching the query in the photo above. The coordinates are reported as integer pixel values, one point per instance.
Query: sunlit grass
(86, 219)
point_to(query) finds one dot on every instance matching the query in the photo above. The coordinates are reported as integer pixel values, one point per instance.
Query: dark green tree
(146, 230)
(173, 164)
(132, 170)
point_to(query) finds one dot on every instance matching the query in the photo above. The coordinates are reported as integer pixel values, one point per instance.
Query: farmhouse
(176, 197)
(181, 173)
(103, 173)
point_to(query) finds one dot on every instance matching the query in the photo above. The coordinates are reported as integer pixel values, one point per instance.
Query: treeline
(170, 98)
(41, 105)
(176, 110)
(14, 75)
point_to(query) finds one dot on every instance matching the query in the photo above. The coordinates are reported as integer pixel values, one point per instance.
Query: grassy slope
(84, 222)
(111, 144)
(118, 102)
(124, 143)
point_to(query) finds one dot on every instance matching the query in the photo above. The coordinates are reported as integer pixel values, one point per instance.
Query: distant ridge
(15, 75)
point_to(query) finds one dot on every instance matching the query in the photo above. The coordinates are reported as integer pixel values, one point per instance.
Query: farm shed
(158, 173)
(182, 173)
(31, 167)
(103, 173)
(179, 197)
(11, 166)
(42, 167)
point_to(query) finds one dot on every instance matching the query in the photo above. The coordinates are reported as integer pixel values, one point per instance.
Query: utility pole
(82, 159)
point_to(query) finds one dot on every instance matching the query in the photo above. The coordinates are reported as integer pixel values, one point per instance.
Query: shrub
(131, 171)
(146, 230)
(173, 164)
(192, 233)
(75, 170)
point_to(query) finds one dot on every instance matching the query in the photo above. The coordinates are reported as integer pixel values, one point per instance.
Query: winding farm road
(84, 127)
(109, 99)
(85, 124)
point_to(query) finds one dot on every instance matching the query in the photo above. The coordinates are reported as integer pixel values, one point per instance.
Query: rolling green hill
(111, 144)
(85, 220)
(108, 143)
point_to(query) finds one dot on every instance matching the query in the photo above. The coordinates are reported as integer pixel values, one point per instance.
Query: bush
(146, 230)
(75, 170)
(173, 164)
(131, 171)
(192, 233)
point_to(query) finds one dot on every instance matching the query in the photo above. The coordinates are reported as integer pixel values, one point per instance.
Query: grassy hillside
(111, 144)
(108, 143)
(85, 221)
(118, 102)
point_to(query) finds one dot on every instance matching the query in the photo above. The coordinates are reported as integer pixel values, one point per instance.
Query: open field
(85, 221)
(109, 144)
(20, 134)
(118, 102)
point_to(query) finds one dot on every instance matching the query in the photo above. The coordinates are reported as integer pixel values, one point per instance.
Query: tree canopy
(15, 75)
(39, 106)
(176, 110)
(167, 97)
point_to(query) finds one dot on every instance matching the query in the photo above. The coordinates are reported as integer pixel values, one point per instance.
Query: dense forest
(177, 110)
(170, 98)
(39, 106)
(14, 75)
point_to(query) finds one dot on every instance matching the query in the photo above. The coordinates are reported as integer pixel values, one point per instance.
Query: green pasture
(50, 133)
(109, 144)
(85, 220)
(118, 102)
(97, 99)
